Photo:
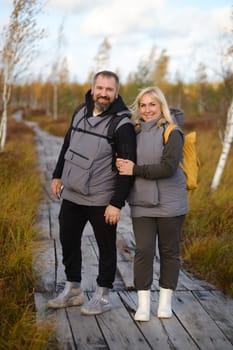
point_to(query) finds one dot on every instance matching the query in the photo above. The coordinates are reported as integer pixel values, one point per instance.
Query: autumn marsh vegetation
(19, 197)
(207, 238)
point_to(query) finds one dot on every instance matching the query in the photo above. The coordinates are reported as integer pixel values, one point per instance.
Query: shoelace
(95, 300)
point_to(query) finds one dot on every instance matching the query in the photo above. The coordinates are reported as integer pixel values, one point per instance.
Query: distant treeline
(202, 101)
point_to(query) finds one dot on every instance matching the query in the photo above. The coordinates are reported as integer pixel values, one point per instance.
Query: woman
(158, 200)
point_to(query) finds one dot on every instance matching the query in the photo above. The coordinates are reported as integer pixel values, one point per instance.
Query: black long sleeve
(57, 173)
(125, 141)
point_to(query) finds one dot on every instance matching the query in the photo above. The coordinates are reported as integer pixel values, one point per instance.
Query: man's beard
(102, 107)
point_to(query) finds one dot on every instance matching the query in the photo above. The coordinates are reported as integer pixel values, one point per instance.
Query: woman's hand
(124, 166)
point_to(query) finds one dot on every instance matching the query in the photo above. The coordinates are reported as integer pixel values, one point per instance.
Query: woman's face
(149, 107)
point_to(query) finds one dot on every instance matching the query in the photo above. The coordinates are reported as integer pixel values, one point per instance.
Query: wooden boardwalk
(202, 316)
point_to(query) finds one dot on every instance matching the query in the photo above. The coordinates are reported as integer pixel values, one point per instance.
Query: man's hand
(56, 188)
(112, 215)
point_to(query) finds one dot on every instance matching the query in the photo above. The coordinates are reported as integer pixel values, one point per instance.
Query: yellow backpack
(191, 162)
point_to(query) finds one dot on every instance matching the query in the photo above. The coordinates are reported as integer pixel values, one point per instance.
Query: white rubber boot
(165, 300)
(143, 311)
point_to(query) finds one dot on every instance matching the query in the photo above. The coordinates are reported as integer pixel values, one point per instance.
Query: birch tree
(201, 84)
(56, 68)
(228, 138)
(102, 57)
(152, 69)
(19, 41)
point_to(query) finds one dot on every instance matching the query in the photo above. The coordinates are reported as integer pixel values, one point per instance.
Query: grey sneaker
(98, 304)
(69, 297)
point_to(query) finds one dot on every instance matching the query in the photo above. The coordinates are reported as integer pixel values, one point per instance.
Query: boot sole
(141, 318)
(93, 313)
(164, 315)
(74, 301)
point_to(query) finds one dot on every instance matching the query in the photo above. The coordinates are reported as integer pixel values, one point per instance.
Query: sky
(191, 32)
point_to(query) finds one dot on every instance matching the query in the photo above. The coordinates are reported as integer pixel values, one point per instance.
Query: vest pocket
(77, 172)
(144, 193)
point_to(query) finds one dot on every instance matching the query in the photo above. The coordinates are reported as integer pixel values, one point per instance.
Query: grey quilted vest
(87, 176)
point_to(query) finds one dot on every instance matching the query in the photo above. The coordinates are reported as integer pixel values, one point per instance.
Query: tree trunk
(225, 150)
(3, 130)
(5, 98)
(55, 101)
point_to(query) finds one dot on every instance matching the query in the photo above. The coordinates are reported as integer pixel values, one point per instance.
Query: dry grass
(207, 240)
(19, 197)
(55, 127)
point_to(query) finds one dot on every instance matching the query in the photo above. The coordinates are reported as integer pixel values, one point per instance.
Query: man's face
(104, 92)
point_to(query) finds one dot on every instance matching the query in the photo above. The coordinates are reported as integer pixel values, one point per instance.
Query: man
(92, 190)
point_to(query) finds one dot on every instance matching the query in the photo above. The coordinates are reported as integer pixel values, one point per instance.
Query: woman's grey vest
(162, 197)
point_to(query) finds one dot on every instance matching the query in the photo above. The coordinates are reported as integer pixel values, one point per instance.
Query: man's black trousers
(72, 220)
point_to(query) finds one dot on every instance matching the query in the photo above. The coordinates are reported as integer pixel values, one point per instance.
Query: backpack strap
(167, 130)
(113, 123)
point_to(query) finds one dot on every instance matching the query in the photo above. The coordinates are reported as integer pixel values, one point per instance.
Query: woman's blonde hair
(157, 93)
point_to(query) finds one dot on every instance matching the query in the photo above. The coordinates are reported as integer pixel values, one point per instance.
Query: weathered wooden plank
(156, 273)
(42, 225)
(86, 331)
(118, 329)
(60, 269)
(54, 209)
(125, 247)
(125, 258)
(220, 309)
(152, 331)
(44, 265)
(200, 326)
(125, 223)
(63, 333)
(89, 263)
(160, 334)
(189, 282)
(41, 300)
(177, 335)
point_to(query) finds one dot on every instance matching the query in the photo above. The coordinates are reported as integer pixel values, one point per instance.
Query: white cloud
(188, 33)
(188, 30)
(71, 6)
(122, 17)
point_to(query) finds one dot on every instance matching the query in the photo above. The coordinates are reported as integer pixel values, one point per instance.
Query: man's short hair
(109, 74)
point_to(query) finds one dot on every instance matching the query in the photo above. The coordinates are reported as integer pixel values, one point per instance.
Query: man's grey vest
(88, 161)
